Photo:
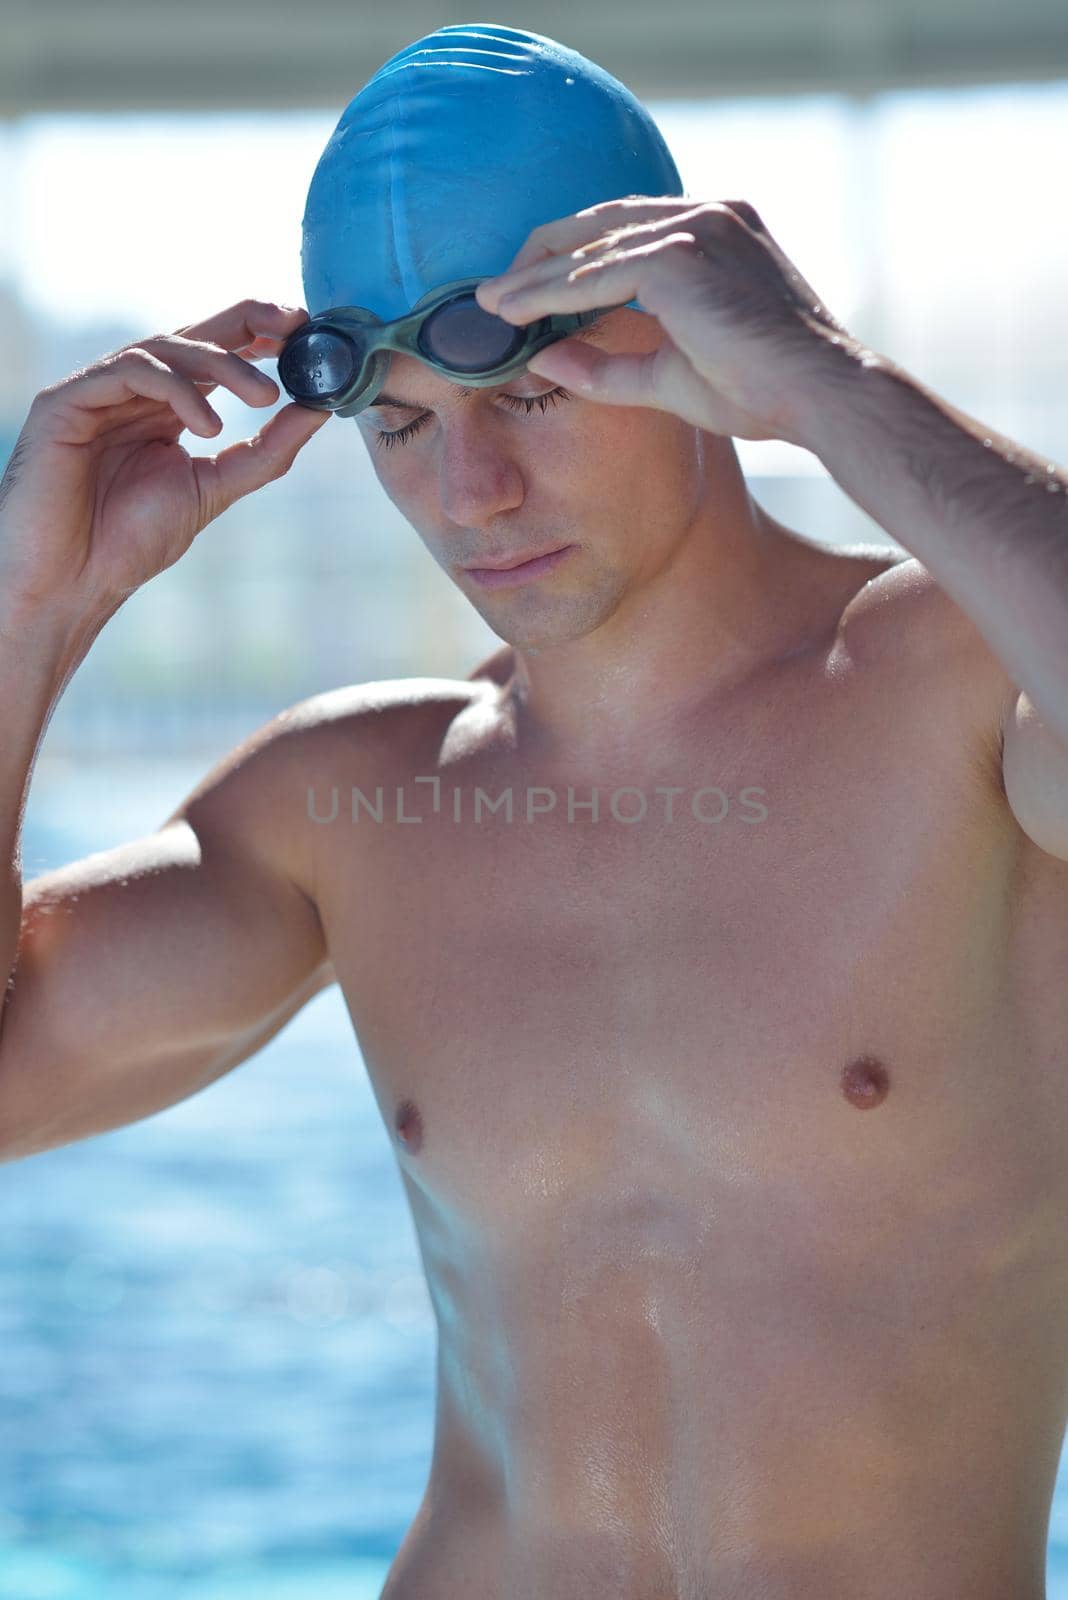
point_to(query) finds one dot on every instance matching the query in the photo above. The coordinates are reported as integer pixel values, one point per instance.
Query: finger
(618, 379)
(665, 222)
(239, 325)
(749, 214)
(565, 233)
(197, 360)
(249, 464)
(619, 222)
(264, 345)
(568, 362)
(132, 374)
(523, 286)
(609, 280)
(661, 380)
(251, 329)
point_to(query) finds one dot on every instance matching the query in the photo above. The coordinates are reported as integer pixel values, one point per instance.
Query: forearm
(987, 517)
(39, 653)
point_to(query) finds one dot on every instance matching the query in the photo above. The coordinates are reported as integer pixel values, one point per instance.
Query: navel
(409, 1125)
(865, 1083)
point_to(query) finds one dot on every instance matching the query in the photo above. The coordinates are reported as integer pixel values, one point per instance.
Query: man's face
(487, 477)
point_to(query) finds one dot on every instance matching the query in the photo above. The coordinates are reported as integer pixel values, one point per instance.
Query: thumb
(621, 380)
(250, 463)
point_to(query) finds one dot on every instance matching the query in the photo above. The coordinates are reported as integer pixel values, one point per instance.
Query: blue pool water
(217, 1374)
(218, 1349)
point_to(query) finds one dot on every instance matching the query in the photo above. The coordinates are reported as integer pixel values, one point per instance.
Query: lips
(508, 562)
(532, 570)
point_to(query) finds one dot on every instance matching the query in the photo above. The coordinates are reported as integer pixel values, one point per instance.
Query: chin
(546, 621)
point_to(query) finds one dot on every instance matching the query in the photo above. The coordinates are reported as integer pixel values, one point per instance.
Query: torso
(735, 1148)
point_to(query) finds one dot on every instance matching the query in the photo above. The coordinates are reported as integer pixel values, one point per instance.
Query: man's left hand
(747, 340)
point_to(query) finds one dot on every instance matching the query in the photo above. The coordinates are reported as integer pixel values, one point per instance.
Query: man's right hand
(99, 496)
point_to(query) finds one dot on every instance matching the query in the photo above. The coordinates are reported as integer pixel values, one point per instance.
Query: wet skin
(735, 1149)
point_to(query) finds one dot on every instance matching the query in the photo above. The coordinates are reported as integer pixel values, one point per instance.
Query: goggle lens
(461, 336)
(321, 364)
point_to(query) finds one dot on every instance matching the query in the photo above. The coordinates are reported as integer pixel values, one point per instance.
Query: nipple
(865, 1083)
(409, 1125)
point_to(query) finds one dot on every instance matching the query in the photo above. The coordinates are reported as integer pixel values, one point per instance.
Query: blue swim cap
(454, 151)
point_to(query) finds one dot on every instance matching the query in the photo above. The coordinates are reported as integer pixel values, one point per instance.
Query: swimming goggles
(338, 360)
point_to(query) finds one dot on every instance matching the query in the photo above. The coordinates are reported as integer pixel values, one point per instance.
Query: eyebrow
(462, 391)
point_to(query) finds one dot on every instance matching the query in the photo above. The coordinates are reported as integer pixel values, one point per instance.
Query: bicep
(179, 935)
(144, 971)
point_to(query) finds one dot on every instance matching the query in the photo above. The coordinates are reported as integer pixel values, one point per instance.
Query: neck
(734, 592)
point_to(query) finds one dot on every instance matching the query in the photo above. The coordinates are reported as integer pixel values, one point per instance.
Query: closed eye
(401, 435)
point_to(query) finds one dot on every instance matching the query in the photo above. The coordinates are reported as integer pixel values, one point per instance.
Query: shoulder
(389, 705)
(905, 596)
(258, 791)
(905, 628)
(903, 615)
(371, 732)
(381, 709)
(901, 593)
(372, 716)
(496, 669)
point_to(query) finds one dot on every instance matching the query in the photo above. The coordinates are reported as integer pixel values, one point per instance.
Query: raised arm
(140, 974)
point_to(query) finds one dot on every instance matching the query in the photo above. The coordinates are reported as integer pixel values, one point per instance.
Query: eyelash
(401, 435)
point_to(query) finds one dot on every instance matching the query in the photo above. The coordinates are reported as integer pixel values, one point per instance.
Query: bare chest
(782, 956)
(731, 1115)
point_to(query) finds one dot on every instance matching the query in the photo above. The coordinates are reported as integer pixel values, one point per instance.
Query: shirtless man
(732, 1115)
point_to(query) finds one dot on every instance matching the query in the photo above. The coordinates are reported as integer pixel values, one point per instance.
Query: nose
(479, 478)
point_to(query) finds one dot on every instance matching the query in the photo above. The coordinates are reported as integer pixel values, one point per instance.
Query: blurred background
(218, 1351)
